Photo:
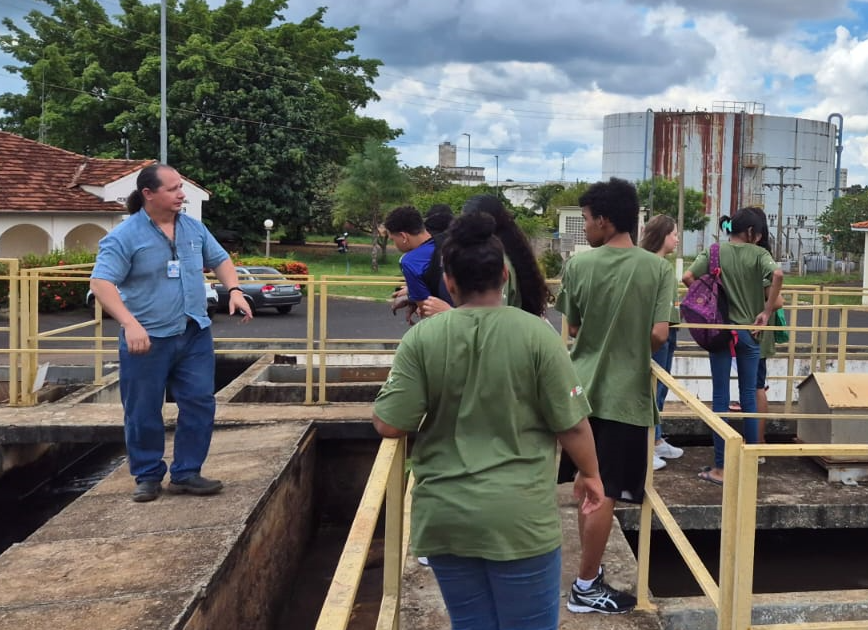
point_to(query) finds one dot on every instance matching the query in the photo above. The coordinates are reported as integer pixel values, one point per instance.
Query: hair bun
(472, 229)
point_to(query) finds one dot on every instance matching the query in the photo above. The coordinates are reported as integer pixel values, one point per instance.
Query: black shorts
(762, 375)
(622, 454)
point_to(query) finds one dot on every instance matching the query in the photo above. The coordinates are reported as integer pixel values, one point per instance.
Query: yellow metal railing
(386, 483)
(719, 593)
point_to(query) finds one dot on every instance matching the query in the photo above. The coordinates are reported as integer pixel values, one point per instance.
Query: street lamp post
(497, 174)
(268, 224)
(468, 148)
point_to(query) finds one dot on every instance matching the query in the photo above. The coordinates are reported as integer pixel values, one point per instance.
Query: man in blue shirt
(155, 258)
(407, 231)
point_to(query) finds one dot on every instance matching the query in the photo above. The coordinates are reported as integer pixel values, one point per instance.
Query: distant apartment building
(464, 175)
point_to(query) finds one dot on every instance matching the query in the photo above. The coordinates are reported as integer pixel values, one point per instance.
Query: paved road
(347, 319)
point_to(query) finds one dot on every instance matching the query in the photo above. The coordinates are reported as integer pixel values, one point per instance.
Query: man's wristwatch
(231, 289)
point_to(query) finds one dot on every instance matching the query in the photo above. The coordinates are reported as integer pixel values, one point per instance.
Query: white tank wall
(713, 142)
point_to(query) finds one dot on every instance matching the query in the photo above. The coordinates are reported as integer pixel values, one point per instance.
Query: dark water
(31, 495)
(784, 561)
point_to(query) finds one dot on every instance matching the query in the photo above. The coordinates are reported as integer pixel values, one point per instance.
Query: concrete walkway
(106, 563)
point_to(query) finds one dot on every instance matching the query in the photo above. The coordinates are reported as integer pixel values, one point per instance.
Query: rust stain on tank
(738, 122)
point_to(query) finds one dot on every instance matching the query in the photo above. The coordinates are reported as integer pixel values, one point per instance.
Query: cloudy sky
(530, 81)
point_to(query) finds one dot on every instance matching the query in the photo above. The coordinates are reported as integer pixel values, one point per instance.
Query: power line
(514, 111)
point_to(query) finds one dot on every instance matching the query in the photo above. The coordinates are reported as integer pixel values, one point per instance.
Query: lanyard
(170, 241)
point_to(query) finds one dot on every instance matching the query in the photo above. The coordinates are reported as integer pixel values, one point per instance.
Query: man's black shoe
(197, 484)
(147, 491)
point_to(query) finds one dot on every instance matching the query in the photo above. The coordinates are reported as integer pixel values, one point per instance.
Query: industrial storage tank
(737, 156)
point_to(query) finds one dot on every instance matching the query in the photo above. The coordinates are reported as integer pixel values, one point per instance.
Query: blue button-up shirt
(134, 257)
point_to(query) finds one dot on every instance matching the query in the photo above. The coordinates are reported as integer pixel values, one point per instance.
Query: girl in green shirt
(489, 392)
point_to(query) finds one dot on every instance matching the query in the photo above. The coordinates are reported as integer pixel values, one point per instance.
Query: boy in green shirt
(617, 299)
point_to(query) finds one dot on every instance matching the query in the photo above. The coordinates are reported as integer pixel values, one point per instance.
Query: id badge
(173, 269)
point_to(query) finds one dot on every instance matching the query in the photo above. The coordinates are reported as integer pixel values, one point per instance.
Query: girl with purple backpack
(752, 282)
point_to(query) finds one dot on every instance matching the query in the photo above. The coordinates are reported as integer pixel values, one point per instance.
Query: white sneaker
(658, 463)
(667, 451)
(423, 561)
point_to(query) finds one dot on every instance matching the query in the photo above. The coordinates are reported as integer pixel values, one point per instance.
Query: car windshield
(262, 273)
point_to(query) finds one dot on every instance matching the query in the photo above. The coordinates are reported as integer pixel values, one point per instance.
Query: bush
(59, 294)
(284, 266)
(552, 264)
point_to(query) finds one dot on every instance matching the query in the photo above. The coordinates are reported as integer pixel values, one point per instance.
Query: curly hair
(615, 200)
(531, 284)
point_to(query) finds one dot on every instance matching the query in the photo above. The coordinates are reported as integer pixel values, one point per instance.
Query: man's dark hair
(438, 218)
(405, 219)
(615, 200)
(149, 178)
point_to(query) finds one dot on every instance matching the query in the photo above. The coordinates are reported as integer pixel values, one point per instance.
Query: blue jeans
(663, 356)
(747, 356)
(183, 365)
(510, 595)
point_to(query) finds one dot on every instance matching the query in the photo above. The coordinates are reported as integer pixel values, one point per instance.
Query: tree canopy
(834, 223)
(666, 202)
(370, 182)
(257, 108)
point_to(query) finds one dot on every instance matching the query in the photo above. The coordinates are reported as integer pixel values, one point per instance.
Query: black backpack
(433, 276)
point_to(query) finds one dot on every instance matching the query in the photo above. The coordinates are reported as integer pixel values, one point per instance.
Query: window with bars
(575, 227)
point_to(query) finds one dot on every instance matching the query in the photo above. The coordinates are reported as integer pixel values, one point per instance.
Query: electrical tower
(780, 186)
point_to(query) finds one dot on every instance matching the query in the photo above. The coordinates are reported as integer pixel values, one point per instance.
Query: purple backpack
(705, 303)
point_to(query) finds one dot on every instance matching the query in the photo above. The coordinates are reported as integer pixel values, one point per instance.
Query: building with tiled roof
(862, 226)
(54, 199)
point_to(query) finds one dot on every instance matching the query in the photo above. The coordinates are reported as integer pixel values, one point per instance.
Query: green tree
(666, 202)
(428, 180)
(370, 182)
(542, 195)
(257, 109)
(569, 196)
(453, 196)
(834, 223)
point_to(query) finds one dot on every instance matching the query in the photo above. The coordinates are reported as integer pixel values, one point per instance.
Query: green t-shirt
(675, 312)
(615, 296)
(493, 386)
(745, 270)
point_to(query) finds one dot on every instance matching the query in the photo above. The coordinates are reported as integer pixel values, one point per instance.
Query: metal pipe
(645, 154)
(839, 147)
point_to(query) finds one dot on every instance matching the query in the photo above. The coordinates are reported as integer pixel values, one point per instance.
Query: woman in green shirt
(489, 392)
(752, 282)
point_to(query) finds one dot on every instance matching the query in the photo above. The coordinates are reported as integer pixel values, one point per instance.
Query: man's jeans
(183, 365)
(510, 595)
(664, 356)
(747, 355)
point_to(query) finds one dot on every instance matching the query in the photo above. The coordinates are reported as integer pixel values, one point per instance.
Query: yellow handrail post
(643, 601)
(311, 319)
(842, 339)
(742, 596)
(791, 352)
(13, 271)
(29, 331)
(815, 321)
(393, 565)
(728, 520)
(323, 337)
(824, 323)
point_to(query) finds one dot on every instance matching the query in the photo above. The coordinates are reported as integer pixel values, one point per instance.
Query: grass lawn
(335, 264)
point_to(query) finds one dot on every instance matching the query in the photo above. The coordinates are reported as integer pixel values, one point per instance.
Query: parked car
(210, 300)
(263, 287)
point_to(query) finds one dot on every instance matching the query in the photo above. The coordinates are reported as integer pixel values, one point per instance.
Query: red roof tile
(862, 225)
(35, 177)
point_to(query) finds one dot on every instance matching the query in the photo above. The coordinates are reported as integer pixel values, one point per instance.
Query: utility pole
(681, 161)
(164, 127)
(781, 186)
